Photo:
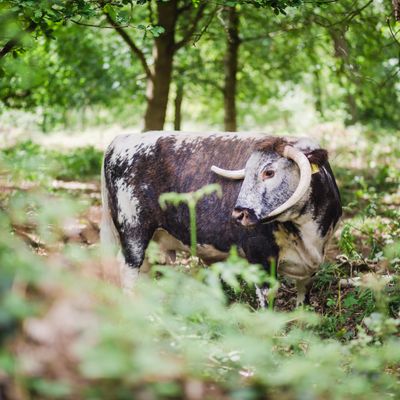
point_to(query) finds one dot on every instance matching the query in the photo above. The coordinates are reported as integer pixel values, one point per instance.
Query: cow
(280, 201)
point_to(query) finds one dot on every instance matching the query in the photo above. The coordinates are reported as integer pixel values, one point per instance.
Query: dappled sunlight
(128, 271)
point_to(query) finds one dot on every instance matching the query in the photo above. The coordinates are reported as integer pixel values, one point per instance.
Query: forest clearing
(73, 76)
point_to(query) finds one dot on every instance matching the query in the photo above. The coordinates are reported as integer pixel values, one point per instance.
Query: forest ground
(366, 164)
(191, 334)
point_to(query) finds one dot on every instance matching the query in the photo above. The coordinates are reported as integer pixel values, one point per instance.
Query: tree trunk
(44, 123)
(230, 69)
(178, 106)
(352, 110)
(317, 90)
(163, 53)
(396, 9)
(348, 70)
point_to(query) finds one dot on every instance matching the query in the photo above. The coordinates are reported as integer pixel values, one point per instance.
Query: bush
(67, 334)
(32, 162)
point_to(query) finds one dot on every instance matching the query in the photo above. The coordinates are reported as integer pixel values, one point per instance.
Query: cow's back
(143, 166)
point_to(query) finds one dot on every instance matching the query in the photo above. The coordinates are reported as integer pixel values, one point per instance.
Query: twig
(380, 241)
(207, 24)
(129, 41)
(357, 281)
(99, 26)
(393, 34)
(348, 18)
(188, 35)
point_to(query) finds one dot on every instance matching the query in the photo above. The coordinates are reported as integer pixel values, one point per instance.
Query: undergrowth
(192, 332)
(31, 162)
(65, 333)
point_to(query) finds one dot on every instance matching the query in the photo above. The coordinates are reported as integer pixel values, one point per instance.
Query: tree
(171, 24)
(231, 61)
(396, 9)
(22, 18)
(169, 16)
(178, 106)
(206, 73)
(227, 61)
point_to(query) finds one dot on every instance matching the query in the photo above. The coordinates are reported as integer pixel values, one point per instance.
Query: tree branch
(13, 42)
(270, 34)
(98, 26)
(192, 29)
(129, 41)
(346, 20)
(208, 23)
(211, 83)
(184, 8)
(393, 34)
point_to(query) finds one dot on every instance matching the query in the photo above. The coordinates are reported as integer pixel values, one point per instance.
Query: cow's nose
(238, 214)
(243, 216)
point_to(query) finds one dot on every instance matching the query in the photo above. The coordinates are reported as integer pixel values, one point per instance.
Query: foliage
(189, 331)
(30, 161)
(343, 56)
(193, 332)
(177, 337)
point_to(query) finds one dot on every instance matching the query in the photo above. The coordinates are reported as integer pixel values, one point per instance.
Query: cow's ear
(318, 157)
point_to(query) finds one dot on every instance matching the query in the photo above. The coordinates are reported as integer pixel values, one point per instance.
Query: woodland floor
(370, 195)
(54, 302)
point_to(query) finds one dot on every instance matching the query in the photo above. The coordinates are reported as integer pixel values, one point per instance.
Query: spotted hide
(138, 168)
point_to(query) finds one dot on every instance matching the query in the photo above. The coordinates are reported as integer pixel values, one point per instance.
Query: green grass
(31, 162)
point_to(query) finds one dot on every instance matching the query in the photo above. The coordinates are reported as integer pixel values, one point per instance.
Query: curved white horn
(305, 179)
(226, 173)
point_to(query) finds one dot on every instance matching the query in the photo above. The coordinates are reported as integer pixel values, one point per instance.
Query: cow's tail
(109, 238)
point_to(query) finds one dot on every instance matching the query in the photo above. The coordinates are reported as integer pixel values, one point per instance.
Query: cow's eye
(267, 174)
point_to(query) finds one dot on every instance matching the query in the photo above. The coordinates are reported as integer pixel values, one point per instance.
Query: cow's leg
(302, 275)
(262, 295)
(303, 291)
(263, 292)
(134, 242)
(128, 274)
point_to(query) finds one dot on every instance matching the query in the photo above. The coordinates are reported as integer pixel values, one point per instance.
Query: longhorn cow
(282, 206)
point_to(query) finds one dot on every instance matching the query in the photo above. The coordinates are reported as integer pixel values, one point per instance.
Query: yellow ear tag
(314, 168)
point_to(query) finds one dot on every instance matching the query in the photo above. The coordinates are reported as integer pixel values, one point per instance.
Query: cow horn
(226, 173)
(305, 179)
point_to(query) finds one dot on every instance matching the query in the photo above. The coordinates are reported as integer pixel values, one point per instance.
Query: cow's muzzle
(244, 216)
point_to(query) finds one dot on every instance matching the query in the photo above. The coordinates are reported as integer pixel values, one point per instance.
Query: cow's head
(277, 180)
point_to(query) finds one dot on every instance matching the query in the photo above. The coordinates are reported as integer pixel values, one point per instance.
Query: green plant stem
(272, 291)
(193, 230)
